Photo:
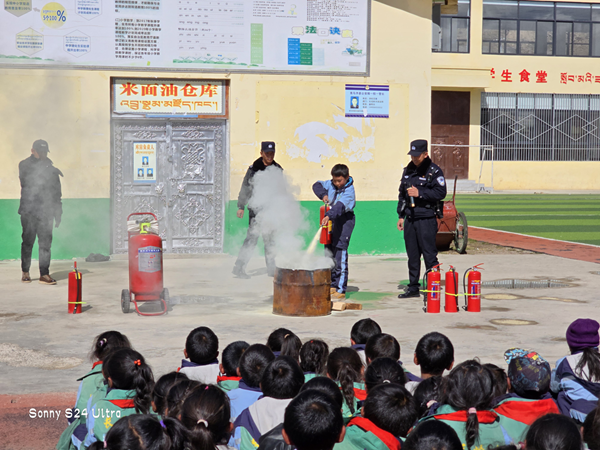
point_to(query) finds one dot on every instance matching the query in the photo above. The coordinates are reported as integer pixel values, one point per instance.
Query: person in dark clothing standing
(422, 187)
(267, 158)
(40, 208)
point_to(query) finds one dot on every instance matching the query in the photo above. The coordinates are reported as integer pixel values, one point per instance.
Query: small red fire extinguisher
(472, 287)
(75, 285)
(432, 297)
(325, 229)
(451, 298)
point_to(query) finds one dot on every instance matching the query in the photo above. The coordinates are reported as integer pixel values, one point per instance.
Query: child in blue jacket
(339, 194)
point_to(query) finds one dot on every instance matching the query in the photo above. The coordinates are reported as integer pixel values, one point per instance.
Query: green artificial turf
(574, 218)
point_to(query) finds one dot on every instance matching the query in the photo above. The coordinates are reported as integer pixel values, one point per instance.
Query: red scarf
(224, 378)
(95, 364)
(360, 394)
(390, 441)
(462, 416)
(123, 404)
(527, 411)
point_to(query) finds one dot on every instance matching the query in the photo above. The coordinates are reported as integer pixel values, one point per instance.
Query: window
(541, 127)
(454, 28)
(541, 28)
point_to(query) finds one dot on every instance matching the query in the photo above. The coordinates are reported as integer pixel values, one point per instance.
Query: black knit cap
(417, 147)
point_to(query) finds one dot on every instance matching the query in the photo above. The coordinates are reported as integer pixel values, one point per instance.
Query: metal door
(187, 193)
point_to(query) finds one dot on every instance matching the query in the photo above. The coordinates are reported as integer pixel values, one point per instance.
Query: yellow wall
(71, 110)
(472, 72)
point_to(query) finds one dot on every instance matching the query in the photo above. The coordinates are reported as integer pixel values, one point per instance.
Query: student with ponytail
(177, 395)
(313, 358)
(384, 370)
(345, 367)
(162, 388)
(92, 387)
(130, 383)
(466, 399)
(576, 379)
(284, 342)
(144, 432)
(205, 413)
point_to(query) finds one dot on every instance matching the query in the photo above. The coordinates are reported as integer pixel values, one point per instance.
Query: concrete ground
(43, 350)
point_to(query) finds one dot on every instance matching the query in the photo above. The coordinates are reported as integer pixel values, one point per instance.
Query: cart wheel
(461, 235)
(125, 300)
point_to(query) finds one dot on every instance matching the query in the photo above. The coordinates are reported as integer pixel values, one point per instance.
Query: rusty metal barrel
(302, 293)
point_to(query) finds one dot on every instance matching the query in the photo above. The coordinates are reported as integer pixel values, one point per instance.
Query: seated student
(591, 430)
(252, 366)
(434, 354)
(92, 387)
(144, 432)
(130, 382)
(229, 379)
(500, 380)
(553, 432)
(284, 342)
(177, 395)
(382, 346)
(273, 440)
(388, 414)
(427, 394)
(313, 421)
(280, 383)
(384, 370)
(313, 358)
(202, 349)
(161, 389)
(205, 413)
(431, 435)
(339, 194)
(360, 334)
(529, 386)
(345, 367)
(576, 378)
(465, 404)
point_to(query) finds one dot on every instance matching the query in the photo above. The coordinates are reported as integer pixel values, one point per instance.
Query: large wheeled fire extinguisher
(472, 287)
(325, 229)
(432, 279)
(451, 297)
(75, 285)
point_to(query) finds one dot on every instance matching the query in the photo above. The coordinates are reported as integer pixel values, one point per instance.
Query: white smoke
(280, 215)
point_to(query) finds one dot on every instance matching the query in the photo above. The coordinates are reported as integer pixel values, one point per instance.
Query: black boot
(239, 272)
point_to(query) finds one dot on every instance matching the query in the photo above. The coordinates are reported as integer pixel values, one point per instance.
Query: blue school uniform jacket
(577, 395)
(259, 418)
(242, 397)
(342, 203)
(204, 373)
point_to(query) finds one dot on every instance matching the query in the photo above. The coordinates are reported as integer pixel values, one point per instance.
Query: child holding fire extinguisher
(339, 194)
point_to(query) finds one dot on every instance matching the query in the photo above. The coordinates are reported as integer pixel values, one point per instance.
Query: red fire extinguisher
(432, 297)
(472, 287)
(75, 285)
(451, 299)
(325, 229)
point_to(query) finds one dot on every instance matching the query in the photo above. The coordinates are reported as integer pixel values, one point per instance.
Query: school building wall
(303, 114)
(476, 72)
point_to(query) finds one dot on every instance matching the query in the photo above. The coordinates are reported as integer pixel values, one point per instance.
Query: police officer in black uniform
(40, 208)
(267, 158)
(422, 189)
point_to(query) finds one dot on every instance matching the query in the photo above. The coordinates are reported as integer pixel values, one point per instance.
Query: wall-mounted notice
(144, 162)
(319, 36)
(363, 100)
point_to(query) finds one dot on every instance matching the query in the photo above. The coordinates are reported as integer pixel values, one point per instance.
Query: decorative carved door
(450, 125)
(186, 190)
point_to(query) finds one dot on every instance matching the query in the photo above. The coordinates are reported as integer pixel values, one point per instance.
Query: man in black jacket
(40, 208)
(422, 187)
(267, 158)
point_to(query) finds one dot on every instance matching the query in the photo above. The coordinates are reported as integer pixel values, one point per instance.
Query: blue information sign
(367, 100)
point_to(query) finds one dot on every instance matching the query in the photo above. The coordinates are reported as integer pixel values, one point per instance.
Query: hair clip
(386, 381)
(104, 444)
(101, 342)
(206, 388)
(162, 424)
(472, 411)
(285, 337)
(203, 422)
(430, 403)
(137, 362)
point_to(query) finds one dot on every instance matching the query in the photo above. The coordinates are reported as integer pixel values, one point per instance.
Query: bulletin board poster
(318, 36)
(144, 162)
(363, 100)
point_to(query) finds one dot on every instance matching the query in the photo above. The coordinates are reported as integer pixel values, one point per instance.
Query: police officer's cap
(417, 147)
(267, 146)
(41, 146)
